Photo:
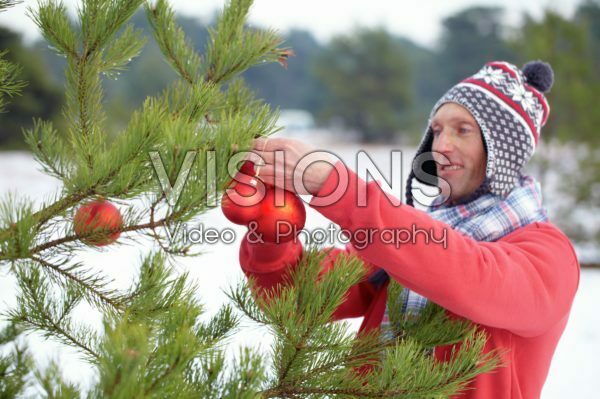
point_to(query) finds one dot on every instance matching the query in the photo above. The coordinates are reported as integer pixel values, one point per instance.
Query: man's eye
(465, 130)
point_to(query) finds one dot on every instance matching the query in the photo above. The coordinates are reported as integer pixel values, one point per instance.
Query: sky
(418, 20)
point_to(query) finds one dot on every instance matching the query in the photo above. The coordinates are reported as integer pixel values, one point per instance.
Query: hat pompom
(539, 74)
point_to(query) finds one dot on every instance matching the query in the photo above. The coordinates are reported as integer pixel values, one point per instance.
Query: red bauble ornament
(249, 202)
(241, 201)
(280, 223)
(94, 220)
(248, 168)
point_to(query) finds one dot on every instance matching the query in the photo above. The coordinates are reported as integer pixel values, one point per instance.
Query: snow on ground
(573, 371)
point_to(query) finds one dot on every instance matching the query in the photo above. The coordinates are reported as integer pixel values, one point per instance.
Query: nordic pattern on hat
(510, 114)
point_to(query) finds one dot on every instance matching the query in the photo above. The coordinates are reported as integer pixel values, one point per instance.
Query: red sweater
(519, 289)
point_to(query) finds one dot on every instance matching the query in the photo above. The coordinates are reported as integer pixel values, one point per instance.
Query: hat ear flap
(424, 166)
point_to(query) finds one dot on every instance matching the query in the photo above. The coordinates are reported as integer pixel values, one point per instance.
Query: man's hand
(292, 164)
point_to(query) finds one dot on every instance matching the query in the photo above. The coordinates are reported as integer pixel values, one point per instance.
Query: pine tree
(153, 343)
(10, 85)
(15, 362)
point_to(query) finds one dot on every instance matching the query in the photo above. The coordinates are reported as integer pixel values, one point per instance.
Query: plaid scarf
(489, 217)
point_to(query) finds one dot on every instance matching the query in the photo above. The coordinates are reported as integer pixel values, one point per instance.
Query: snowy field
(574, 369)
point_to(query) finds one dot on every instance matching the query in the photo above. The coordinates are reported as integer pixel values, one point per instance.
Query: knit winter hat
(510, 108)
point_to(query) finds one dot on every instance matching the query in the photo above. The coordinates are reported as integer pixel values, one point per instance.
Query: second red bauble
(241, 201)
(98, 223)
(280, 223)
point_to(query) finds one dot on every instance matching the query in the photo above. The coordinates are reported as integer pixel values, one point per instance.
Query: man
(505, 267)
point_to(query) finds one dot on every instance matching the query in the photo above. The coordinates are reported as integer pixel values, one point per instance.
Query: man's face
(457, 136)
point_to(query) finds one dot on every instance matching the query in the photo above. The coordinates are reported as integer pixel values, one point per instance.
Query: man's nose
(444, 142)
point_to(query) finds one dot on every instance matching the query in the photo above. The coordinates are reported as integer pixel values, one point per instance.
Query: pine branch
(122, 171)
(232, 48)
(158, 290)
(298, 313)
(48, 149)
(88, 186)
(246, 376)
(88, 57)
(404, 363)
(91, 285)
(128, 163)
(100, 21)
(125, 161)
(401, 378)
(314, 357)
(126, 47)
(37, 310)
(14, 217)
(28, 251)
(53, 384)
(430, 326)
(10, 85)
(53, 22)
(218, 328)
(170, 369)
(229, 40)
(40, 217)
(14, 365)
(340, 351)
(190, 103)
(50, 15)
(172, 41)
(243, 299)
(151, 349)
(75, 238)
(4, 4)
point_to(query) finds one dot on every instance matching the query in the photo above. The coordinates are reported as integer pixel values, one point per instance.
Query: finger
(285, 182)
(259, 144)
(267, 158)
(267, 170)
(270, 181)
(257, 157)
(268, 173)
(270, 144)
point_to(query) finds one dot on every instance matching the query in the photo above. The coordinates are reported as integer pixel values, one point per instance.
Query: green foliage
(4, 4)
(577, 173)
(9, 84)
(40, 309)
(233, 48)
(155, 341)
(428, 328)
(14, 365)
(571, 46)
(316, 358)
(407, 373)
(150, 349)
(471, 38)
(24, 89)
(588, 15)
(565, 45)
(172, 41)
(368, 78)
(52, 384)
